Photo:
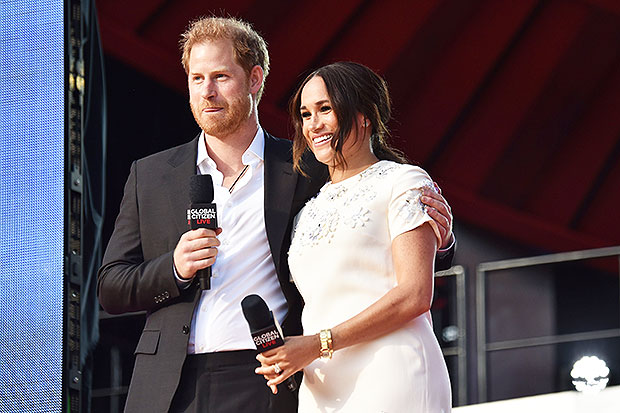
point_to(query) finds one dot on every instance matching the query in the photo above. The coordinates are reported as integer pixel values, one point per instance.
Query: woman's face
(319, 122)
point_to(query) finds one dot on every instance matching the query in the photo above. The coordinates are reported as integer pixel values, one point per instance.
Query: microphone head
(256, 312)
(201, 189)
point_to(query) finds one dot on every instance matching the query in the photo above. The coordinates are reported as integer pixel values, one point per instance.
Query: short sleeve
(405, 210)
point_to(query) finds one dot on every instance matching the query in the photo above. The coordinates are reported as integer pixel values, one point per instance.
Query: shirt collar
(256, 151)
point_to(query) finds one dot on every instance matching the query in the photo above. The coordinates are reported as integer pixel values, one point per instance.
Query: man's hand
(196, 250)
(440, 211)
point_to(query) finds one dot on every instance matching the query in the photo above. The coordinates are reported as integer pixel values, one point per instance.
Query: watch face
(326, 353)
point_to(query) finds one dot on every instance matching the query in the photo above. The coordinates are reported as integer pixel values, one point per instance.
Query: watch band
(325, 336)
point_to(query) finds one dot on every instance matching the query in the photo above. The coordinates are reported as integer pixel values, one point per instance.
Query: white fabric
(243, 265)
(341, 262)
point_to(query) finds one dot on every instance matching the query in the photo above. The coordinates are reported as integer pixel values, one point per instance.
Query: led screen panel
(31, 205)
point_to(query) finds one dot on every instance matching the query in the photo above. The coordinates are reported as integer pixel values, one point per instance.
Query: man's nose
(208, 90)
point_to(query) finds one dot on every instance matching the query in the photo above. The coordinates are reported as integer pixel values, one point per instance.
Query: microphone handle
(204, 278)
(291, 384)
(203, 215)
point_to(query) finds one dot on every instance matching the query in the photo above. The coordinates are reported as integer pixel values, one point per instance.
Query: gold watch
(325, 336)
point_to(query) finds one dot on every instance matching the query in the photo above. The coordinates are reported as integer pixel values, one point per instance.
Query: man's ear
(256, 79)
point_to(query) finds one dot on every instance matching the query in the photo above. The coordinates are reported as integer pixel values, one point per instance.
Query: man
(196, 353)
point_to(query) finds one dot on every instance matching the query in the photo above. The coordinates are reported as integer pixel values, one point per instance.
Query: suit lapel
(280, 182)
(176, 181)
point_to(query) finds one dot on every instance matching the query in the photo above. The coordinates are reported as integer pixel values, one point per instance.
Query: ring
(277, 369)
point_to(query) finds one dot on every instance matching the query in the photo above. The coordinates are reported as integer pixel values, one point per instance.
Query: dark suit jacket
(136, 273)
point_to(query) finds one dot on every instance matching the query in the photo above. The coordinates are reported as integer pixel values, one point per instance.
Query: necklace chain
(245, 168)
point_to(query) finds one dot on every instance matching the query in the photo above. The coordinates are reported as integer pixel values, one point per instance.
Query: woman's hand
(293, 356)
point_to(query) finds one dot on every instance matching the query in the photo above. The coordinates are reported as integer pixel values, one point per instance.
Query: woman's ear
(363, 121)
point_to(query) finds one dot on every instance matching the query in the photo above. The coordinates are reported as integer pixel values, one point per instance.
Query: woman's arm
(413, 256)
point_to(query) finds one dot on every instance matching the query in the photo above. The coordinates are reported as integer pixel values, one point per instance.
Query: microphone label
(267, 338)
(202, 216)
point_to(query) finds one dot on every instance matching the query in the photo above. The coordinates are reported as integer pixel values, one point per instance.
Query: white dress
(341, 261)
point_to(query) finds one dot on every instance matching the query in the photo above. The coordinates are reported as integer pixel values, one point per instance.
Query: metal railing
(484, 347)
(460, 351)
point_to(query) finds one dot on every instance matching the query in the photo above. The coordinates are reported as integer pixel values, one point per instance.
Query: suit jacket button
(185, 329)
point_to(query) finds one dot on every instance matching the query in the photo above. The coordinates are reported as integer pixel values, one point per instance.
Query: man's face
(220, 92)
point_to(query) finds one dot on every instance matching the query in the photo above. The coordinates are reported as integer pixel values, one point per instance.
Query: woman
(362, 257)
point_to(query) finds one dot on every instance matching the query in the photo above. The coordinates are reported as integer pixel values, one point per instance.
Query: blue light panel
(31, 205)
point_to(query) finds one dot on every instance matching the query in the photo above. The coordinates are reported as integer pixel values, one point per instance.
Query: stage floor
(607, 401)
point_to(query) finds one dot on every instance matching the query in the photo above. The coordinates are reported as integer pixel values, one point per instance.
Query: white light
(589, 374)
(450, 333)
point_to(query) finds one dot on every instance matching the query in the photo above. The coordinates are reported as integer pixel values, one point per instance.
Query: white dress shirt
(243, 264)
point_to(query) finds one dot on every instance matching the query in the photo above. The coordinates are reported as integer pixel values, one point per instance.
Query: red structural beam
(457, 74)
(296, 42)
(516, 225)
(579, 160)
(489, 128)
(380, 33)
(560, 108)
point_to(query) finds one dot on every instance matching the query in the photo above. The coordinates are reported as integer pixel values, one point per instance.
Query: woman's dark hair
(352, 88)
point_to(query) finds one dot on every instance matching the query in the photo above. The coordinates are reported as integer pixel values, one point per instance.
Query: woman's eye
(325, 108)
(305, 115)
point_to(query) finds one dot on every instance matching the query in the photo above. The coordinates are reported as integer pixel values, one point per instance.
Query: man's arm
(443, 258)
(126, 282)
(130, 282)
